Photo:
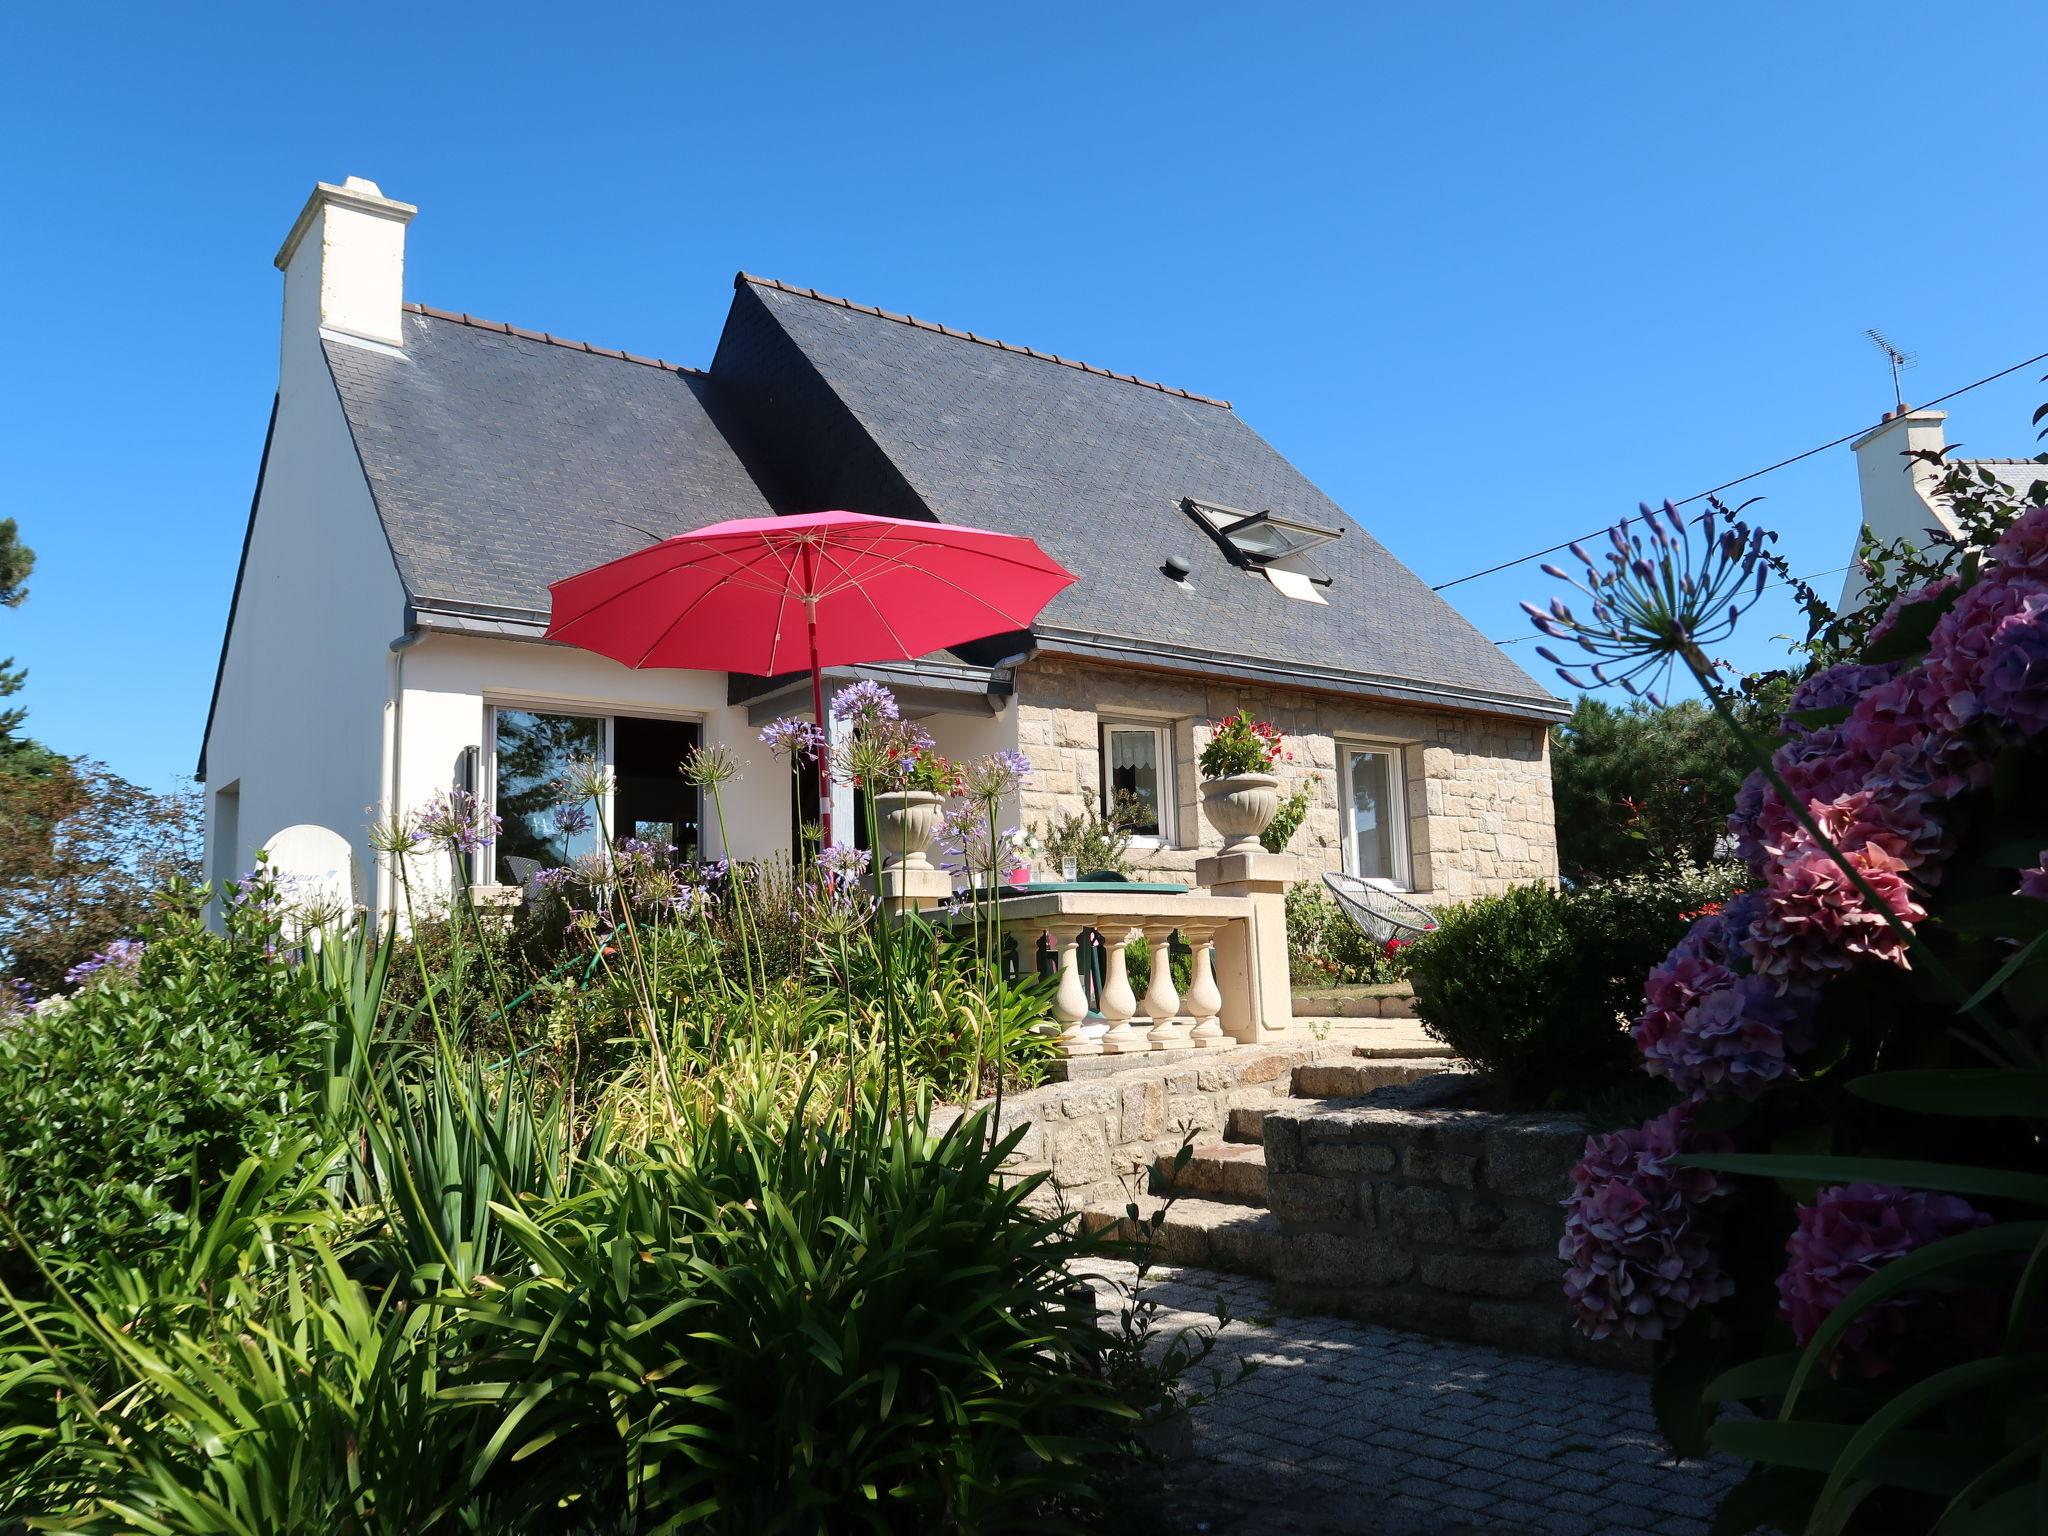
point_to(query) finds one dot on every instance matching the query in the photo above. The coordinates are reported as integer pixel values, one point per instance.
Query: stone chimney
(1898, 491)
(344, 267)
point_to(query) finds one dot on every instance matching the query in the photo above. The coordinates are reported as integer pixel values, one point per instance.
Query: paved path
(1351, 1430)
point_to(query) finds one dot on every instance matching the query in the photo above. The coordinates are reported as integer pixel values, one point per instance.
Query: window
(1375, 831)
(1135, 764)
(531, 750)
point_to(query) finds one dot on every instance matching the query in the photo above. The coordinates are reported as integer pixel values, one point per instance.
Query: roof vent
(1177, 567)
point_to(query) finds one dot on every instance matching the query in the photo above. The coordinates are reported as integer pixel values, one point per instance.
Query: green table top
(1053, 887)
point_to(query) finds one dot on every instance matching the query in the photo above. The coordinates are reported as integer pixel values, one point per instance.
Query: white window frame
(1397, 808)
(1161, 732)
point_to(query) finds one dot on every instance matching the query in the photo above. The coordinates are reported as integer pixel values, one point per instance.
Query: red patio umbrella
(767, 595)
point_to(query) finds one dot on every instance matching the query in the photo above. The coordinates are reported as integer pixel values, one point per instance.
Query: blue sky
(1490, 274)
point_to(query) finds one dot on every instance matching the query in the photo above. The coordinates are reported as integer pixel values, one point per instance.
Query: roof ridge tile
(499, 327)
(984, 341)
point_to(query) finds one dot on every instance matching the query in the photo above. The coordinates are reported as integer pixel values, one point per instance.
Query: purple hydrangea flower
(1836, 687)
(2034, 882)
(1710, 1027)
(796, 738)
(1639, 1233)
(1846, 1236)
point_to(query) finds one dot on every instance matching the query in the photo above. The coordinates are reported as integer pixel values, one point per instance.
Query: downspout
(394, 721)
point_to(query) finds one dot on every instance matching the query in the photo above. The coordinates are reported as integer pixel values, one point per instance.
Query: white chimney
(344, 266)
(1898, 492)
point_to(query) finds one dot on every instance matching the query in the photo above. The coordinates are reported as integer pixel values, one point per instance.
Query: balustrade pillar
(1070, 1003)
(1118, 1002)
(1162, 1002)
(1204, 1001)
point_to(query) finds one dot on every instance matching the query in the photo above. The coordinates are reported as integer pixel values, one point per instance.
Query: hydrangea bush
(1840, 1223)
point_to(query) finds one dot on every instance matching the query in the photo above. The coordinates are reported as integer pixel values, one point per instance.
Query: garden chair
(1379, 914)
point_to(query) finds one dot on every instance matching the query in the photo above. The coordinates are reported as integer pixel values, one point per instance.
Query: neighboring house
(1898, 474)
(427, 474)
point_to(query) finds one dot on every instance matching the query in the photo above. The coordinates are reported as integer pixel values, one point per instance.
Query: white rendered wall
(1897, 491)
(298, 724)
(451, 681)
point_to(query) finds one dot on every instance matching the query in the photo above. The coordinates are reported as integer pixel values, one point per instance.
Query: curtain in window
(1134, 769)
(1372, 830)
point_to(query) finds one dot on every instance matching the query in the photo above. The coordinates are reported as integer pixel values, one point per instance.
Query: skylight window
(1268, 542)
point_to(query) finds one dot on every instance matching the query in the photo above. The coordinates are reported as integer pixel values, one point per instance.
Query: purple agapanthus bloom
(572, 820)
(794, 737)
(1640, 1233)
(864, 700)
(121, 956)
(457, 820)
(844, 864)
(1846, 1236)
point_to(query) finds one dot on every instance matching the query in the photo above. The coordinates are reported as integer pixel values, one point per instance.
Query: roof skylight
(1257, 540)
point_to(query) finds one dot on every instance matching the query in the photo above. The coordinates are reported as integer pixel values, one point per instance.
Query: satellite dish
(316, 876)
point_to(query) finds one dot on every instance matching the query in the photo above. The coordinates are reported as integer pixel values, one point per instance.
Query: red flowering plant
(1242, 744)
(1842, 1225)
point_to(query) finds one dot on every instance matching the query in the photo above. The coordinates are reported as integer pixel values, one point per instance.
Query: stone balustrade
(1237, 993)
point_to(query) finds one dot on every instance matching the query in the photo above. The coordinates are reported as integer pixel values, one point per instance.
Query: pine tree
(18, 754)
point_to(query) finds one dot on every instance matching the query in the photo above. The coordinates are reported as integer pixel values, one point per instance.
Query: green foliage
(1637, 787)
(140, 1091)
(1287, 820)
(1324, 947)
(1095, 843)
(1535, 986)
(1240, 744)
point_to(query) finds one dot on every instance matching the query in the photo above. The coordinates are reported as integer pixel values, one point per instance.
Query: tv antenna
(1899, 360)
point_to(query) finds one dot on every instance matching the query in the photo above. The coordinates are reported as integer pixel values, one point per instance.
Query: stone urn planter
(908, 821)
(1241, 807)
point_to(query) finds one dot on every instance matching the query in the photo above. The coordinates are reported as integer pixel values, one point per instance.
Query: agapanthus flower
(121, 957)
(864, 702)
(994, 777)
(1847, 1235)
(964, 834)
(1655, 600)
(2034, 882)
(572, 820)
(456, 819)
(584, 780)
(16, 997)
(1640, 1234)
(793, 737)
(709, 766)
(844, 864)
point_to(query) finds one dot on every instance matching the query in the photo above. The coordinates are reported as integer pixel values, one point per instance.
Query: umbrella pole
(810, 600)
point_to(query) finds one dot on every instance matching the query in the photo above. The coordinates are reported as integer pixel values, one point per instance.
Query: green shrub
(1536, 986)
(141, 1089)
(1325, 948)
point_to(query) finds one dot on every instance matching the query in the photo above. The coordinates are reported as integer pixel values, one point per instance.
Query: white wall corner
(1897, 491)
(344, 266)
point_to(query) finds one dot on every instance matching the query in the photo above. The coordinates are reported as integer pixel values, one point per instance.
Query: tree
(83, 854)
(1638, 787)
(18, 755)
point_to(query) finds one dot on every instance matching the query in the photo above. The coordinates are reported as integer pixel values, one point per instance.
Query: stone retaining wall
(1098, 1135)
(1441, 1220)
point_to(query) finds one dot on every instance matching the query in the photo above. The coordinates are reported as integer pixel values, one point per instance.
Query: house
(427, 474)
(1898, 473)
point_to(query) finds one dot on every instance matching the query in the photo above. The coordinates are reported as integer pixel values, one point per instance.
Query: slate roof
(502, 459)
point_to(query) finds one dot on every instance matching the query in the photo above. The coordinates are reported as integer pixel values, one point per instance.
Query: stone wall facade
(1476, 787)
(1446, 1221)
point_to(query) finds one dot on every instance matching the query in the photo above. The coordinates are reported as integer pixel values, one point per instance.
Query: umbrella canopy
(768, 595)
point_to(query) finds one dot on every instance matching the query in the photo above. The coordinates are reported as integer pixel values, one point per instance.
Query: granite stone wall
(1477, 787)
(1446, 1221)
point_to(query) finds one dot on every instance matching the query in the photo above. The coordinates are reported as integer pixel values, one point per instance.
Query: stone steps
(1209, 1234)
(1353, 1079)
(1217, 1170)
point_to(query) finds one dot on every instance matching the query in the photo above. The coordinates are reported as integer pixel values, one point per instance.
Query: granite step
(1351, 1079)
(1210, 1234)
(1216, 1170)
(1249, 1125)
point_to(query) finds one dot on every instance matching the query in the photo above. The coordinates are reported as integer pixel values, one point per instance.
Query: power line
(1726, 485)
(1767, 586)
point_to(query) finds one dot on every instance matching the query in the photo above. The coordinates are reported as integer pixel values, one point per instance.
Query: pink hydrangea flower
(1932, 592)
(1709, 1028)
(1639, 1238)
(1983, 658)
(2024, 544)
(1816, 923)
(1846, 1236)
